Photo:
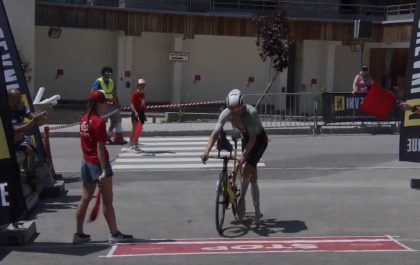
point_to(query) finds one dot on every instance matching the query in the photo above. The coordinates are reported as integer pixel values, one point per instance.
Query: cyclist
(245, 118)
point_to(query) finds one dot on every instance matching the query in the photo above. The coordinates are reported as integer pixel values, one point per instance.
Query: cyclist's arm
(223, 117)
(212, 140)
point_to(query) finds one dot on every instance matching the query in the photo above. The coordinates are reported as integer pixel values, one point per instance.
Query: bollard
(47, 150)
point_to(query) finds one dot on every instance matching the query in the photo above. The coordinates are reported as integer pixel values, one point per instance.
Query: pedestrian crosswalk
(168, 153)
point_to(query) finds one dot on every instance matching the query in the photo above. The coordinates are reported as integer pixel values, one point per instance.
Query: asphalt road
(321, 187)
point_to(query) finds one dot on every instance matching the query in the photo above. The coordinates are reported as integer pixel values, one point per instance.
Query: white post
(330, 67)
(125, 63)
(128, 66)
(177, 71)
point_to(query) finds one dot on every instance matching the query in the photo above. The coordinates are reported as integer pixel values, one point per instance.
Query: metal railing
(398, 12)
(295, 9)
(305, 111)
(281, 110)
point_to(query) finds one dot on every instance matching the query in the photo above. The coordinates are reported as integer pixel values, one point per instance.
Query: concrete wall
(150, 61)
(314, 65)
(80, 53)
(333, 64)
(347, 65)
(21, 14)
(224, 63)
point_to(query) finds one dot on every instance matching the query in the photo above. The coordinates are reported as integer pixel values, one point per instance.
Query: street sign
(258, 245)
(178, 56)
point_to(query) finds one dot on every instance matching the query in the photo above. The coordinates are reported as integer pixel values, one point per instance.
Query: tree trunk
(267, 88)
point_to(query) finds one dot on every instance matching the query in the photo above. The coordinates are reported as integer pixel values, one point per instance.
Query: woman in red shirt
(96, 169)
(138, 117)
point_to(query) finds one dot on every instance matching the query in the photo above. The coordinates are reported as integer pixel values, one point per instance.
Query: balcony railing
(325, 9)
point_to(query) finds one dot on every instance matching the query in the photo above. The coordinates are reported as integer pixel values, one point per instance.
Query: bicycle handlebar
(230, 157)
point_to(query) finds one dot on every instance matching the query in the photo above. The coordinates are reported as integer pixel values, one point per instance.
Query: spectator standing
(106, 84)
(138, 117)
(362, 81)
(96, 169)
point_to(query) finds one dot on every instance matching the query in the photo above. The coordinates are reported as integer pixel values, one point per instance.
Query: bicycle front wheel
(238, 179)
(221, 202)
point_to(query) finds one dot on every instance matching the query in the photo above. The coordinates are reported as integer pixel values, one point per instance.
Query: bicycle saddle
(223, 143)
(236, 136)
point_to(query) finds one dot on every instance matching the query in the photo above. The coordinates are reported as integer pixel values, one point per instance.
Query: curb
(270, 131)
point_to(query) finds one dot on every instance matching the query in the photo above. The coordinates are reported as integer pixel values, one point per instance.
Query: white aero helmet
(234, 98)
(141, 81)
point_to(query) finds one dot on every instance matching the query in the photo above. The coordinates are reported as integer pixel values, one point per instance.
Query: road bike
(227, 194)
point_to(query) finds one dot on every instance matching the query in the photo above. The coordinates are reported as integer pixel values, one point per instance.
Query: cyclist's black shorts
(258, 150)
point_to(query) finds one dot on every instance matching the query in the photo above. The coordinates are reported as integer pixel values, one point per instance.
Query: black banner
(344, 107)
(14, 75)
(12, 203)
(410, 127)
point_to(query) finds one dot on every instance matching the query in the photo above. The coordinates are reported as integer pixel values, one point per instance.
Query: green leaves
(273, 39)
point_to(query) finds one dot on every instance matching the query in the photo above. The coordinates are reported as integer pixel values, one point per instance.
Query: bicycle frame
(232, 196)
(225, 194)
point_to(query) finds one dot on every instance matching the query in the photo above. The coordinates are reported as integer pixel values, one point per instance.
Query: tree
(273, 42)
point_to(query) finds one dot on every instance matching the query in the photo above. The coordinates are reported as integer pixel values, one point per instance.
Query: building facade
(135, 38)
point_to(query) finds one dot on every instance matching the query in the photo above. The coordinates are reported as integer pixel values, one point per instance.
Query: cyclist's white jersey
(249, 122)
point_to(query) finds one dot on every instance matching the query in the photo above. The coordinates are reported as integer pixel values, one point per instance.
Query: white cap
(141, 81)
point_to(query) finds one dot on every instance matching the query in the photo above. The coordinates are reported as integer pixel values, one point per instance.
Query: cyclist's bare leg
(255, 192)
(244, 188)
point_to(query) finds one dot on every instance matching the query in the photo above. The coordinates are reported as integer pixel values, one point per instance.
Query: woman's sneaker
(80, 238)
(120, 238)
(135, 149)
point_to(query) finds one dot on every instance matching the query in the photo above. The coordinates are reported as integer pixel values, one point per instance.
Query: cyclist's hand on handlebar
(241, 159)
(204, 158)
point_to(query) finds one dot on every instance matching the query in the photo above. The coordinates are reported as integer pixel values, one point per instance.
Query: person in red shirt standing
(96, 169)
(138, 117)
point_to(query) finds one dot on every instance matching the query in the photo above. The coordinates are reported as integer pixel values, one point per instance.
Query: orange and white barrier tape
(127, 109)
(171, 106)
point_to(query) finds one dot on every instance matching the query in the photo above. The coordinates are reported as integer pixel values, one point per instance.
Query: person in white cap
(245, 118)
(138, 117)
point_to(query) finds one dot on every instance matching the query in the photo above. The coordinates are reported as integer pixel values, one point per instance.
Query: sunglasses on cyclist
(236, 109)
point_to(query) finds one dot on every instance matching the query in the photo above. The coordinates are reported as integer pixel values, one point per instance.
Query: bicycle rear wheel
(221, 202)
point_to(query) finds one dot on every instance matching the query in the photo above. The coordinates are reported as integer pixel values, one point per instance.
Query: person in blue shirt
(19, 113)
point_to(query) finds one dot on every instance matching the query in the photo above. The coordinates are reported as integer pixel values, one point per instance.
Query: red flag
(95, 210)
(137, 131)
(378, 102)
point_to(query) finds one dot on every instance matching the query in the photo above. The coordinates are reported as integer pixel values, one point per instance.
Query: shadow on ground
(69, 248)
(265, 227)
(52, 205)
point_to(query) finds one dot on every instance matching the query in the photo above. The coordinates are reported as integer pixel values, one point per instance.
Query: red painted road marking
(258, 245)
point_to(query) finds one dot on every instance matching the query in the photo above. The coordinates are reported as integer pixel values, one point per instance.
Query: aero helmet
(234, 98)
